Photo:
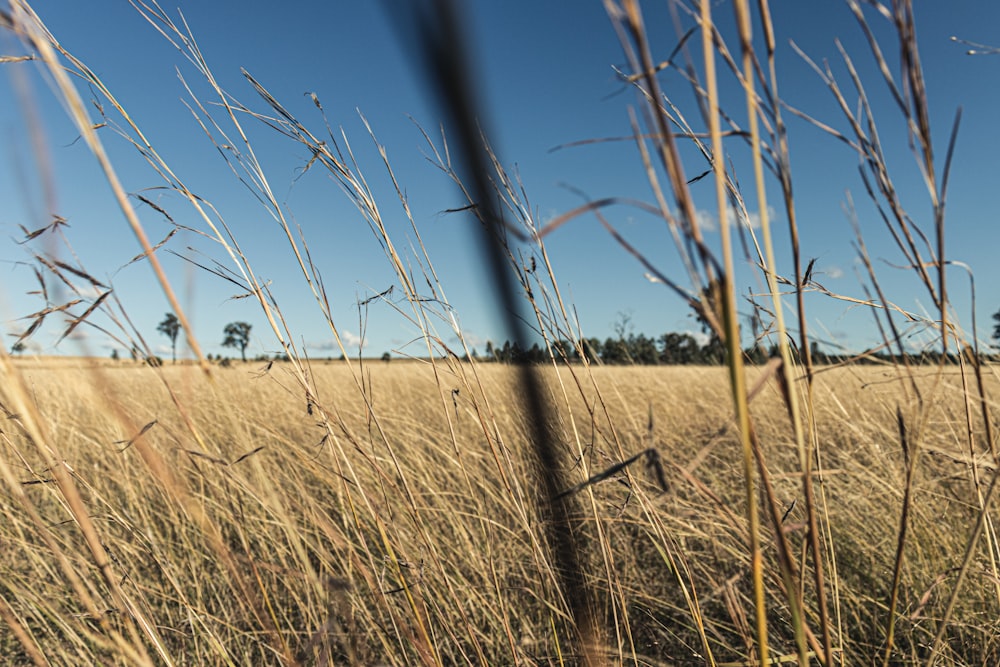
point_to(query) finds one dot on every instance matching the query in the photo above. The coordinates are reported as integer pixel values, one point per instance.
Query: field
(239, 529)
(773, 509)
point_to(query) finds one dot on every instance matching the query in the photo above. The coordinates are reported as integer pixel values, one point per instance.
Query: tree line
(637, 349)
(679, 349)
(668, 349)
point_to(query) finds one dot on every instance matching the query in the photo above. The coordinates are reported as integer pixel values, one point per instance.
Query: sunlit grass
(446, 512)
(357, 548)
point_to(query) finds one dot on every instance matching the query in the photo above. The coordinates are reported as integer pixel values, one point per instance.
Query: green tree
(591, 348)
(996, 328)
(614, 351)
(563, 349)
(18, 347)
(643, 350)
(170, 327)
(678, 348)
(237, 335)
(535, 355)
(755, 354)
(714, 351)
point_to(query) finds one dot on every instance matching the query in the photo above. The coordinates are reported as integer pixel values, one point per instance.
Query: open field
(770, 510)
(396, 523)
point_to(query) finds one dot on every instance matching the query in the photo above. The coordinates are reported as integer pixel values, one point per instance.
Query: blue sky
(545, 73)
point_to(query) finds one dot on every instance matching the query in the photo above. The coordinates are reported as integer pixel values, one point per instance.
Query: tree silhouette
(678, 348)
(237, 335)
(170, 327)
(591, 348)
(996, 328)
(643, 350)
(18, 347)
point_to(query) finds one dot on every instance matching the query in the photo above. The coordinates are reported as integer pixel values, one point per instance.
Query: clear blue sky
(545, 71)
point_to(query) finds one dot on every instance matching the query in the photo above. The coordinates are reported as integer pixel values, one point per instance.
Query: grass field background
(445, 512)
(405, 534)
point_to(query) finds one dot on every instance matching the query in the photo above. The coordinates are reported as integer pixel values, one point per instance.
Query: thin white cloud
(833, 271)
(351, 339)
(473, 340)
(709, 221)
(90, 291)
(706, 220)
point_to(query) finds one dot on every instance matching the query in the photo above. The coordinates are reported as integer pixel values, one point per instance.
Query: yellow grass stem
(788, 379)
(731, 333)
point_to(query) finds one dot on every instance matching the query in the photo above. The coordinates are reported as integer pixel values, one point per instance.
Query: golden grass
(411, 545)
(448, 513)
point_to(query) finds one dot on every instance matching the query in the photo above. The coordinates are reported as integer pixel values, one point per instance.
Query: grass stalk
(731, 335)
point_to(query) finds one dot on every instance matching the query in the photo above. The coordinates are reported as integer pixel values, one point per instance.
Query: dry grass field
(239, 529)
(471, 513)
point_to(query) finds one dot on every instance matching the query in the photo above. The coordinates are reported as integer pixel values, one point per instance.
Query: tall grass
(448, 511)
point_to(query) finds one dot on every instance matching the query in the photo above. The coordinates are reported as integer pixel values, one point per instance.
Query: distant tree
(114, 354)
(535, 355)
(170, 327)
(623, 326)
(996, 328)
(591, 348)
(614, 351)
(755, 354)
(563, 349)
(817, 355)
(18, 347)
(643, 350)
(619, 351)
(714, 351)
(237, 336)
(677, 348)
(386, 356)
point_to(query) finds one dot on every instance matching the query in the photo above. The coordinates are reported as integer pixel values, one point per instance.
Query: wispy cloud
(349, 338)
(709, 220)
(472, 339)
(90, 291)
(833, 271)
